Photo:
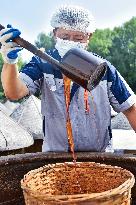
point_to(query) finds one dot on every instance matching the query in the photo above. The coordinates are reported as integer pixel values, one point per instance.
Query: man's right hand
(9, 49)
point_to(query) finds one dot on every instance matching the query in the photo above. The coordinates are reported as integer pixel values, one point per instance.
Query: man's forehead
(69, 32)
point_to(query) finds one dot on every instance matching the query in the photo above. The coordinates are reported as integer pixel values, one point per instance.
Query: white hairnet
(73, 18)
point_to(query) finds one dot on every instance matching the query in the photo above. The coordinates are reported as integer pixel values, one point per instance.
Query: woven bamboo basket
(88, 183)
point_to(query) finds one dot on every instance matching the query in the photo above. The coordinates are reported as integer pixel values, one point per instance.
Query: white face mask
(65, 45)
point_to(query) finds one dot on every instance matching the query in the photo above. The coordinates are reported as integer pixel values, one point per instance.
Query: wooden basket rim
(78, 197)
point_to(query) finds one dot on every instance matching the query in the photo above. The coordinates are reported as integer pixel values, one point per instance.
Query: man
(73, 27)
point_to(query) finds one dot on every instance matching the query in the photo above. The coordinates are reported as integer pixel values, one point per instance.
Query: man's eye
(79, 39)
(65, 38)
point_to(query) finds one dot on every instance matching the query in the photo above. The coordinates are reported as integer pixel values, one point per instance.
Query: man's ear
(89, 36)
(54, 32)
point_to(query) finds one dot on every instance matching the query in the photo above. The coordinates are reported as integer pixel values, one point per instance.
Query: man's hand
(9, 49)
(14, 88)
(131, 116)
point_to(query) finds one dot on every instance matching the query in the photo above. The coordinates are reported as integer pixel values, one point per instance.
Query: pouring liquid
(67, 85)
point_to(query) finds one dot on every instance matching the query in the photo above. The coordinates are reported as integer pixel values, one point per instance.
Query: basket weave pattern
(90, 184)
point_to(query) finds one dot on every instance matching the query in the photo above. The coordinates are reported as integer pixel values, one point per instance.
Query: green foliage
(45, 41)
(20, 63)
(101, 42)
(123, 51)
